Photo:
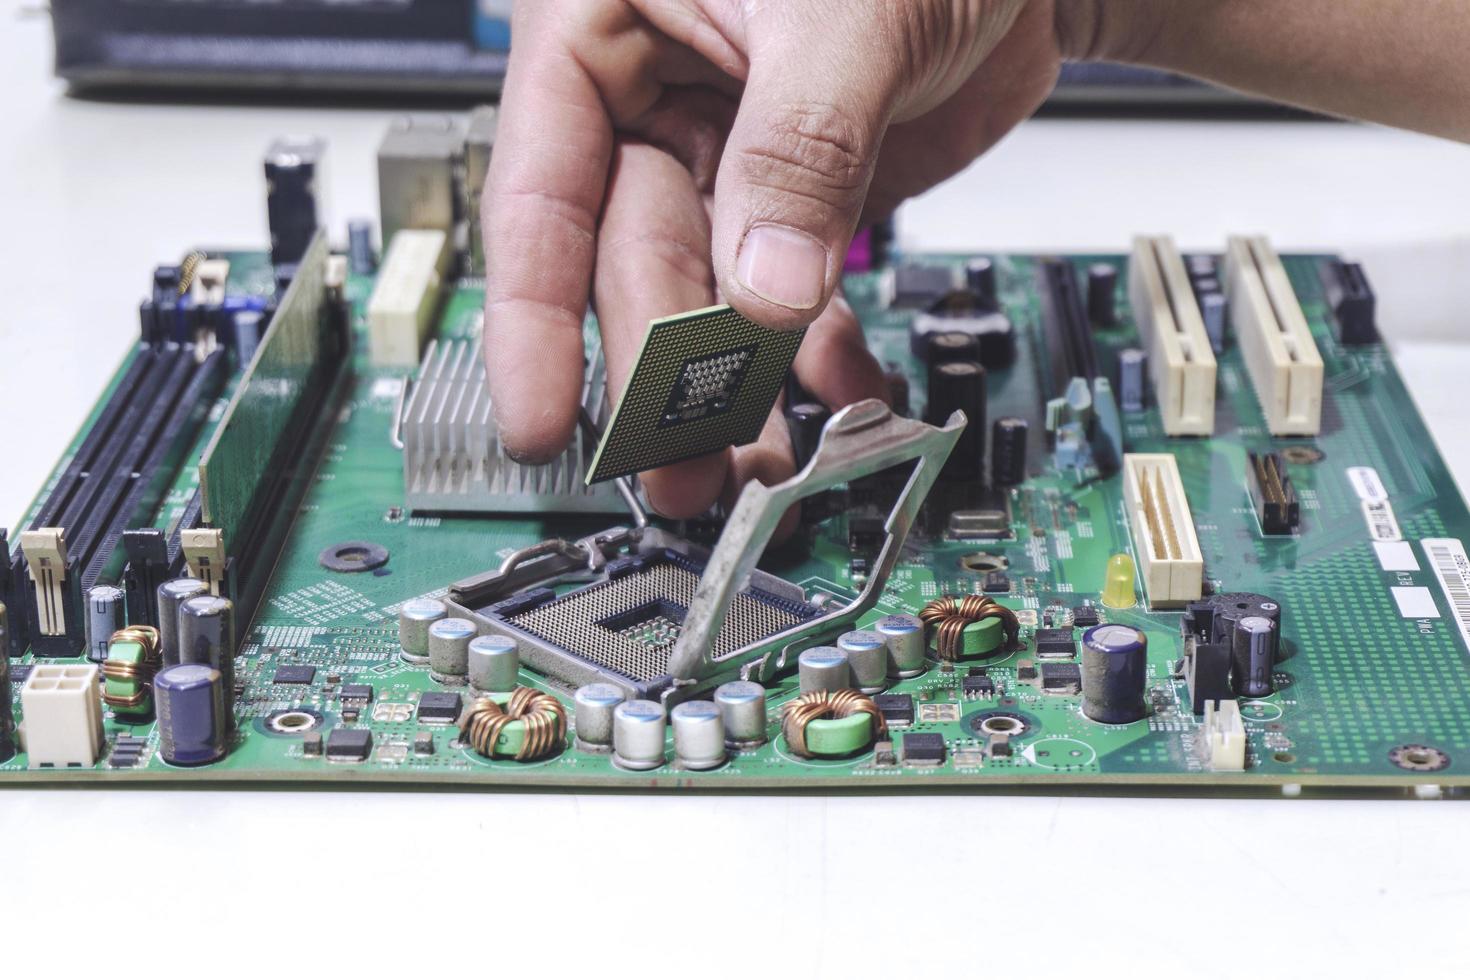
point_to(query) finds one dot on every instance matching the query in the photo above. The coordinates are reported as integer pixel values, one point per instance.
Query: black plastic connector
(1353, 303)
(1275, 499)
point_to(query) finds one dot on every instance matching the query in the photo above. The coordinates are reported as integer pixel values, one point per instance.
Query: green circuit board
(1367, 670)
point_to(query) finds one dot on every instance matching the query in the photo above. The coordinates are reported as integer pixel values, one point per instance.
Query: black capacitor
(1102, 291)
(191, 714)
(804, 422)
(945, 347)
(171, 595)
(207, 636)
(980, 280)
(1114, 674)
(1008, 451)
(1252, 654)
(960, 386)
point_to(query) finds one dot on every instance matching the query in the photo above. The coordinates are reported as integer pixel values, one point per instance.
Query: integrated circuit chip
(703, 381)
(294, 674)
(923, 749)
(440, 707)
(349, 744)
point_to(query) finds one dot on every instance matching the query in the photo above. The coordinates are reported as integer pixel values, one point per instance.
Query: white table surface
(93, 195)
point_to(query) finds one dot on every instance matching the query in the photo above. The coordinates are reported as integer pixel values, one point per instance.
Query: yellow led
(1117, 590)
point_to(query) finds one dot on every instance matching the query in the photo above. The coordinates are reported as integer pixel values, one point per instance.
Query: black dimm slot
(141, 493)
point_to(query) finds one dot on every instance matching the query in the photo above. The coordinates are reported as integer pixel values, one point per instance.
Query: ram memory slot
(1069, 348)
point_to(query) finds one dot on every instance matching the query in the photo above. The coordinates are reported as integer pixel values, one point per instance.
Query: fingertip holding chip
(703, 381)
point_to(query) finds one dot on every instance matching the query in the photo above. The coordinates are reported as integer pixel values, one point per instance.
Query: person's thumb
(798, 160)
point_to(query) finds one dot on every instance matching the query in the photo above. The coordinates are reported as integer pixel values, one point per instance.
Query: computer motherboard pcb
(1150, 519)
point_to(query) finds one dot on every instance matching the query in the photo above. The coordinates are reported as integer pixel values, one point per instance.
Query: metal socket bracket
(860, 440)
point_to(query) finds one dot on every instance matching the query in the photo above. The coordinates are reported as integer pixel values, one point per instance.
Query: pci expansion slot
(1173, 332)
(1164, 539)
(1280, 353)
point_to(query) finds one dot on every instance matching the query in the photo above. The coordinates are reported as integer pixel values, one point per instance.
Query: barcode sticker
(1366, 483)
(1382, 524)
(1452, 567)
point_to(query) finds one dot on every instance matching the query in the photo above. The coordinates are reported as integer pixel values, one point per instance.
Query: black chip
(883, 754)
(1084, 616)
(923, 749)
(1025, 670)
(20, 672)
(997, 582)
(1061, 678)
(351, 714)
(423, 743)
(977, 686)
(896, 709)
(357, 692)
(349, 744)
(1056, 641)
(440, 706)
(311, 743)
(294, 674)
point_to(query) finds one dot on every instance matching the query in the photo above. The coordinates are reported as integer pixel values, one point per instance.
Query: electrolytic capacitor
(904, 637)
(170, 595)
(1131, 364)
(207, 636)
(449, 649)
(743, 705)
(494, 663)
(960, 385)
(638, 735)
(980, 280)
(1252, 654)
(104, 617)
(804, 423)
(360, 247)
(699, 735)
(592, 715)
(953, 346)
(1102, 288)
(192, 717)
(823, 669)
(867, 659)
(1114, 674)
(1008, 451)
(414, 619)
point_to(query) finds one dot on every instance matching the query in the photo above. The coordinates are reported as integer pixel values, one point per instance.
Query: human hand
(657, 154)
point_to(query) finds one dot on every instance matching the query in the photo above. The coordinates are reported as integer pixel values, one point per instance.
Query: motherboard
(1163, 519)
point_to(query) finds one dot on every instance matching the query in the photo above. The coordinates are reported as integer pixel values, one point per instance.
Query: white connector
(1179, 356)
(61, 705)
(1284, 364)
(45, 551)
(1167, 550)
(1220, 744)
(406, 297)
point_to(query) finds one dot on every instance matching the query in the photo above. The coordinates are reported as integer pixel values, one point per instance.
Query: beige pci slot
(1164, 541)
(1173, 332)
(1279, 351)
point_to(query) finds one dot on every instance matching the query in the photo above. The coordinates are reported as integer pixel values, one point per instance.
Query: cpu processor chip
(703, 381)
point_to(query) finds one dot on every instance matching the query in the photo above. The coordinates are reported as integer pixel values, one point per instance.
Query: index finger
(547, 178)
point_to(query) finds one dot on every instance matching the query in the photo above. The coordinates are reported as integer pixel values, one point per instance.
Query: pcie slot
(1069, 348)
(132, 453)
(1280, 354)
(1164, 540)
(1169, 322)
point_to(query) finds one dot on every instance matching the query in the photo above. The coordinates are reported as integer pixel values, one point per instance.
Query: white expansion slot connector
(1279, 351)
(1173, 332)
(1164, 541)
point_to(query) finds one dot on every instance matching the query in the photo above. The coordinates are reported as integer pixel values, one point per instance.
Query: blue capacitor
(190, 699)
(1114, 674)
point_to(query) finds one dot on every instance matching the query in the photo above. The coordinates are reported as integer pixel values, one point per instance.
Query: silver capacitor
(592, 715)
(823, 669)
(743, 705)
(867, 659)
(699, 735)
(904, 635)
(104, 618)
(449, 649)
(170, 595)
(207, 636)
(1253, 652)
(638, 735)
(414, 619)
(494, 663)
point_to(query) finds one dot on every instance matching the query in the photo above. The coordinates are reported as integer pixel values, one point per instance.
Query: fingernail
(783, 266)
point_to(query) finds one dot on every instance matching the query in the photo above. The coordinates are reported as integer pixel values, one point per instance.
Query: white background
(92, 195)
